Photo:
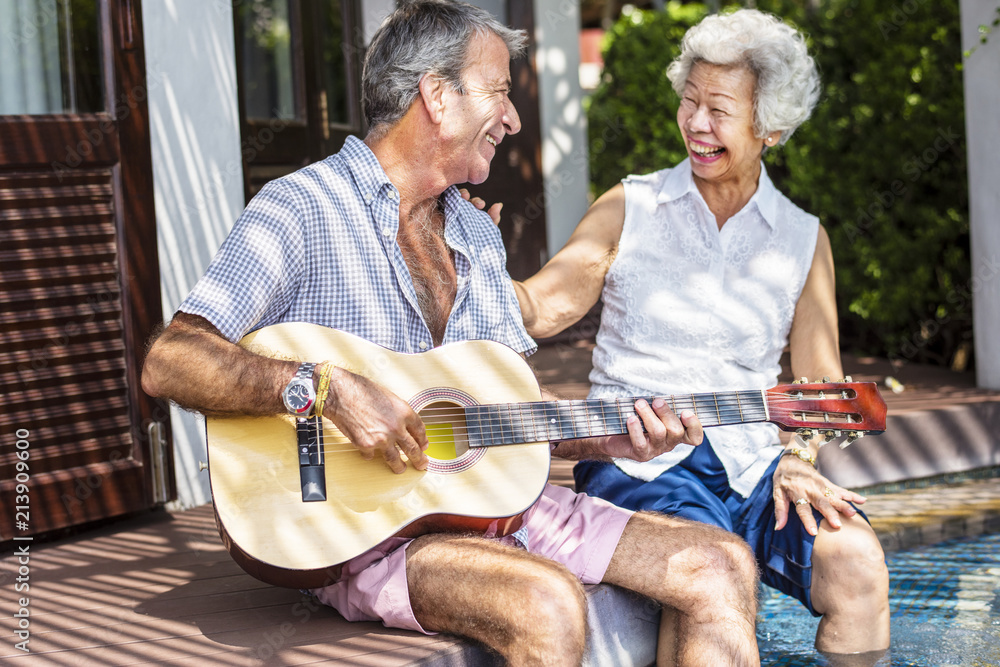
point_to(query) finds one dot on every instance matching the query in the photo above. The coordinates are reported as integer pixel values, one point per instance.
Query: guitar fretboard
(513, 423)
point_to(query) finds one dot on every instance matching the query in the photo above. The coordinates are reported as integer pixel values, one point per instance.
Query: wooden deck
(161, 589)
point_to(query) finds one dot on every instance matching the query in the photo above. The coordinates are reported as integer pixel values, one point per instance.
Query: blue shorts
(698, 488)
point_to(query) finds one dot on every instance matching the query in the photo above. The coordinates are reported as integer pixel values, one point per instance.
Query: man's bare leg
(529, 609)
(706, 574)
(666, 641)
(850, 587)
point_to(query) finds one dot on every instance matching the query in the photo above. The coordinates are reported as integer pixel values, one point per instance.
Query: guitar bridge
(312, 464)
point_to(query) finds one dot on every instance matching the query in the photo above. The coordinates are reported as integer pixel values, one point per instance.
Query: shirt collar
(369, 176)
(680, 182)
(766, 198)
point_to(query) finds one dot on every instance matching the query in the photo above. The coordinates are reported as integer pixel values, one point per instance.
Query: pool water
(945, 606)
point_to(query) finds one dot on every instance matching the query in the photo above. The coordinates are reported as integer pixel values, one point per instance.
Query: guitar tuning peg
(847, 378)
(803, 380)
(851, 437)
(830, 435)
(804, 433)
(826, 378)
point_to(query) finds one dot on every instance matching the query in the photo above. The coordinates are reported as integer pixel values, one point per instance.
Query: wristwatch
(299, 395)
(803, 454)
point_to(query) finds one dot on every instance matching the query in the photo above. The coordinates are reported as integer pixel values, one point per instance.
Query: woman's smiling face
(716, 118)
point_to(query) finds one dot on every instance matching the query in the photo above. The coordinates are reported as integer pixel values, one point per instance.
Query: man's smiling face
(475, 123)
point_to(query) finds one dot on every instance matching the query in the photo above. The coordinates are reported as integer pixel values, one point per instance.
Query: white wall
(563, 122)
(197, 171)
(982, 123)
(373, 12)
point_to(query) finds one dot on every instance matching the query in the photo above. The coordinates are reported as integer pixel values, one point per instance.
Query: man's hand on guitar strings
(376, 421)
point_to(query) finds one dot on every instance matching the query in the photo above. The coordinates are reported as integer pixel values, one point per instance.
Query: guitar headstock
(830, 408)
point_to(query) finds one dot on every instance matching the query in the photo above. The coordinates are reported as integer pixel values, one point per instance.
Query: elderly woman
(706, 273)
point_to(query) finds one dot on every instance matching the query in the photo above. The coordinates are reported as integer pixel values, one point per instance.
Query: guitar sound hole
(446, 430)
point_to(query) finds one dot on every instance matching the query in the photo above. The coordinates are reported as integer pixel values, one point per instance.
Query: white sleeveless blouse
(690, 308)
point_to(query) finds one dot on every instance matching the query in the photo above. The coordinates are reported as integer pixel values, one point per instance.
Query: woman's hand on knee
(799, 487)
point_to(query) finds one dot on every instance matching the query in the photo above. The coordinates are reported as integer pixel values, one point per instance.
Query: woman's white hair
(788, 83)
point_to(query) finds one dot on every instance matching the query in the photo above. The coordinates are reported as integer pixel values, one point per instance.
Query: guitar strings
(707, 401)
(728, 410)
(559, 409)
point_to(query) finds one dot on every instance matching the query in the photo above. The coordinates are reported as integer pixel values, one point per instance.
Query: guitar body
(254, 464)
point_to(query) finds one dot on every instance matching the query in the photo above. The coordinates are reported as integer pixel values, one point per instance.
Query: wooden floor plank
(361, 644)
(68, 597)
(161, 589)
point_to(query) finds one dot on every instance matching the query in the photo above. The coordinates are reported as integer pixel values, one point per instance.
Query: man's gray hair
(423, 37)
(788, 84)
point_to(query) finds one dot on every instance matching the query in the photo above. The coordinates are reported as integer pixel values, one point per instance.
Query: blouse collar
(680, 182)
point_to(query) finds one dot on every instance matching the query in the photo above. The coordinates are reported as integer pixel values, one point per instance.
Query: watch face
(298, 398)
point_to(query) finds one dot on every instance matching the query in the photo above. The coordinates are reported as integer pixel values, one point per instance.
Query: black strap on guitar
(312, 464)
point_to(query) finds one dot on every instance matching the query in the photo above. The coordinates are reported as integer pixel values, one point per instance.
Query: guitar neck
(512, 423)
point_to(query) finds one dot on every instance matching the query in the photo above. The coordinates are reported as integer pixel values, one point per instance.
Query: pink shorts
(577, 530)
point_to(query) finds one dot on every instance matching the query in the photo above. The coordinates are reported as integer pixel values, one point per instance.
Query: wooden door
(298, 67)
(80, 278)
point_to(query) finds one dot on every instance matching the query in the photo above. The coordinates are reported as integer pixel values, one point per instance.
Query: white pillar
(373, 12)
(565, 166)
(982, 124)
(197, 171)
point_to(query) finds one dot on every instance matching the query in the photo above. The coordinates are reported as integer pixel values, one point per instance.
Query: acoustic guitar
(294, 499)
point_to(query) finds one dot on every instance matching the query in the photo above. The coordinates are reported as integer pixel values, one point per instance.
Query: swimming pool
(945, 605)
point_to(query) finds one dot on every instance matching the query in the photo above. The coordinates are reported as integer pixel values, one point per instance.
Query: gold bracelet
(803, 454)
(324, 387)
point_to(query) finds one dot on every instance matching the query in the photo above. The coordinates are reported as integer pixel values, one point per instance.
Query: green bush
(632, 115)
(881, 161)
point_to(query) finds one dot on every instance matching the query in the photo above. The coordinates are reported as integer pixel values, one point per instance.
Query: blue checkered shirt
(320, 246)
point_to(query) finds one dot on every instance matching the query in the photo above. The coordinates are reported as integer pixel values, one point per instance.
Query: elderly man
(376, 240)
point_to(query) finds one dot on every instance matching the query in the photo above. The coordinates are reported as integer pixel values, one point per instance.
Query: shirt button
(392, 194)
(423, 345)
(387, 232)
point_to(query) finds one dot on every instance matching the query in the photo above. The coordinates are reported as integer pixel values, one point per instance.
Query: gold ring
(828, 492)
(802, 501)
